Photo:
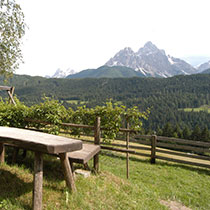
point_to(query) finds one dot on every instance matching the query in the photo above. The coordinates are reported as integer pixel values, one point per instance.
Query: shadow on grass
(159, 163)
(12, 187)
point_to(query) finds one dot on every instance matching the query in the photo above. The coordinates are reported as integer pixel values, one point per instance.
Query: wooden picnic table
(40, 143)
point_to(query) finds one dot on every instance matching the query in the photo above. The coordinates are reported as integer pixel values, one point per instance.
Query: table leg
(2, 152)
(38, 181)
(67, 171)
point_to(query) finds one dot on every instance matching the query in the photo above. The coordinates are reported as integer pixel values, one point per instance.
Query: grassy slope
(148, 184)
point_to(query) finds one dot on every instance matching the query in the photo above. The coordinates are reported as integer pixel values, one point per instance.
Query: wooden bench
(82, 156)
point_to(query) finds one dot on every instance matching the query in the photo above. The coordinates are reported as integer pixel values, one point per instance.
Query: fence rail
(155, 147)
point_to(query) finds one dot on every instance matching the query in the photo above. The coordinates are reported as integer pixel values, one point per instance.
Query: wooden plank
(38, 141)
(183, 161)
(125, 150)
(67, 172)
(188, 148)
(143, 136)
(184, 141)
(38, 181)
(140, 141)
(5, 88)
(77, 125)
(183, 154)
(2, 153)
(85, 154)
(123, 145)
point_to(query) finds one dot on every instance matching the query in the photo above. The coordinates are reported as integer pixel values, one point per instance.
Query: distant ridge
(204, 66)
(107, 72)
(207, 71)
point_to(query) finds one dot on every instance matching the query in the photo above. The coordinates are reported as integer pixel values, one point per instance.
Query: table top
(38, 141)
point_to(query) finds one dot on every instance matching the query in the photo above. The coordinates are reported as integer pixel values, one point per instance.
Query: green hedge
(113, 116)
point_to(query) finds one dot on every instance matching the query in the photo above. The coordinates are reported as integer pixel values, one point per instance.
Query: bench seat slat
(85, 154)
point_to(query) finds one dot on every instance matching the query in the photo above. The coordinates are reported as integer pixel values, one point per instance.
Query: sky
(82, 34)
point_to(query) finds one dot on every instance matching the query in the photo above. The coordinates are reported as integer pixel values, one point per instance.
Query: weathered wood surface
(85, 154)
(183, 141)
(183, 161)
(125, 151)
(181, 154)
(5, 88)
(38, 141)
(38, 181)
(183, 147)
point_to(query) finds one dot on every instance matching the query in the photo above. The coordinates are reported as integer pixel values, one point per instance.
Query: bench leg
(96, 162)
(24, 154)
(67, 171)
(2, 152)
(14, 155)
(86, 166)
(38, 181)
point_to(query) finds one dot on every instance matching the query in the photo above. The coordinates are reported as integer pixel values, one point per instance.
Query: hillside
(165, 97)
(107, 72)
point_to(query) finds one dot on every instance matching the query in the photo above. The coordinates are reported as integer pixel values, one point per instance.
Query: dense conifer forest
(167, 98)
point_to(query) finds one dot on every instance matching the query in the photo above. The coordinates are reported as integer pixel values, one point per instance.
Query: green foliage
(50, 111)
(11, 115)
(113, 117)
(12, 29)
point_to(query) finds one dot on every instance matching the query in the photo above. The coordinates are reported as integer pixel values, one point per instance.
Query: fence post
(127, 147)
(97, 139)
(153, 148)
(2, 153)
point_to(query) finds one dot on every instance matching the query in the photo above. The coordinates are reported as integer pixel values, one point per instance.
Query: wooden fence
(196, 153)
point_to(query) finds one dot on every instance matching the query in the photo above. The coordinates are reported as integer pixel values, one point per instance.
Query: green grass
(205, 108)
(147, 185)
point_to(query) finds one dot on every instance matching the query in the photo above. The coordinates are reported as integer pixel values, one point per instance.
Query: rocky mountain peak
(151, 61)
(149, 48)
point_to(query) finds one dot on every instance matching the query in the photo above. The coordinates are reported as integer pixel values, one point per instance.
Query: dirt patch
(174, 205)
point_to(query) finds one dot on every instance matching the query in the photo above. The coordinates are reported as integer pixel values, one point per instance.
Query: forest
(167, 98)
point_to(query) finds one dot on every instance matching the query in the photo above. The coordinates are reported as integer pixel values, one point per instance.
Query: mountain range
(148, 61)
(61, 73)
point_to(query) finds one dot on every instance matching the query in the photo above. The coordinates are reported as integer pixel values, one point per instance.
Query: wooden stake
(127, 147)
(153, 148)
(38, 181)
(97, 139)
